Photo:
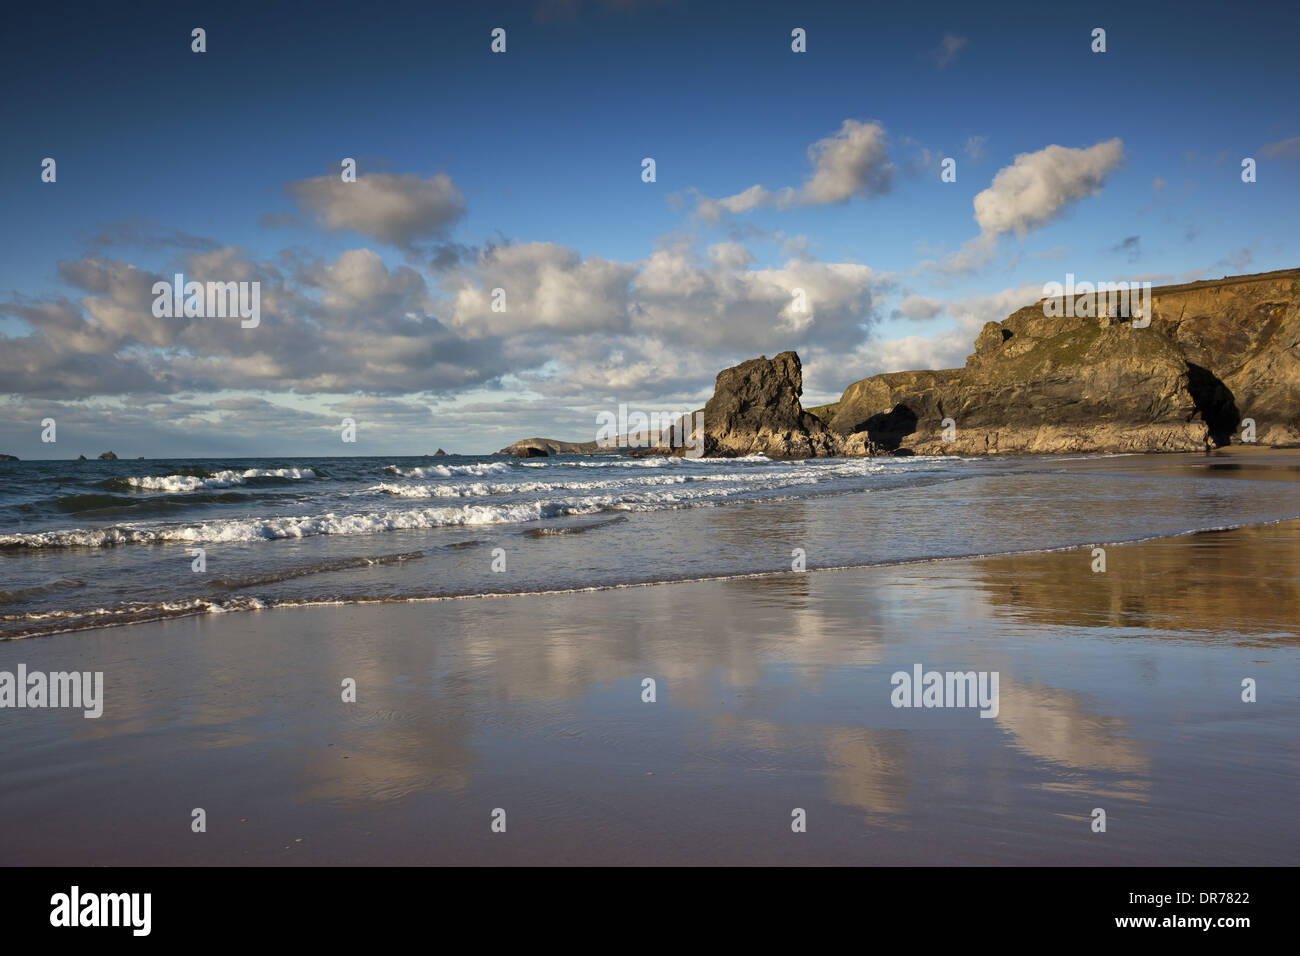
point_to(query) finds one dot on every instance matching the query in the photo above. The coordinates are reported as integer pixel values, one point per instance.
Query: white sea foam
(301, 526)
(178, 484)
(618, 489)
(756, 480)
(447, 471)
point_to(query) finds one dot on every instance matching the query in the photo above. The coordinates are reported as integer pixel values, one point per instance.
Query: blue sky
(524, 172)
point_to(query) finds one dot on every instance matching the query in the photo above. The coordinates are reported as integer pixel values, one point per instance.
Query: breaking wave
(183, 483)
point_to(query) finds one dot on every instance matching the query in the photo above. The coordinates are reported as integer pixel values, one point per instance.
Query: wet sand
(1119, 690)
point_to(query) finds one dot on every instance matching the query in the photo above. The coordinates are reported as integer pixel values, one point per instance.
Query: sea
(88, 544)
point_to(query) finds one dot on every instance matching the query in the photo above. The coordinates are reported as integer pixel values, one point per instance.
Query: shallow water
(85, 544)
(1118, 690)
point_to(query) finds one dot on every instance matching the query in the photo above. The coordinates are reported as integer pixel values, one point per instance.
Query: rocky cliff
(1215, 353)
(1241, 338)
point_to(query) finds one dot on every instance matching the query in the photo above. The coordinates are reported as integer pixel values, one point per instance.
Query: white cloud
(395, 210)
(1039, 186)
(945, 349)
(341, 326)
(730, 255)
(358, 330)
(1035, 190)
(919, 308)
(853, 161)
(546, 287)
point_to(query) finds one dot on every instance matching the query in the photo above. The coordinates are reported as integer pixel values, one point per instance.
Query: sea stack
(755, 410)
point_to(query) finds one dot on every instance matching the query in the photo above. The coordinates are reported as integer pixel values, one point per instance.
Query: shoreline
(1246, 463)
(1241, 463)
(1118, 690)
(754, 575)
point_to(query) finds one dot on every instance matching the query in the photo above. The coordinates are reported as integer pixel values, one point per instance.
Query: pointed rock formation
(755, 410)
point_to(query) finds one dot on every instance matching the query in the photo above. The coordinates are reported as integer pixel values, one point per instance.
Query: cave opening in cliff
(1215, 403)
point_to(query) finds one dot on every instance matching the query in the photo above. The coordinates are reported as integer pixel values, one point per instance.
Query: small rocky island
(543, 447)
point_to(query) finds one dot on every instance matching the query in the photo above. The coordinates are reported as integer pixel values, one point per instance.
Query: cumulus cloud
(730, 255)
(1039, 187)
(664, 325)
(946, 349)
(853, 161)
(397, 210)
(354, 325)
(918, 308)
(1035, 190)
(341, 326)
(713, 305)
(544, 287)
(359, 279)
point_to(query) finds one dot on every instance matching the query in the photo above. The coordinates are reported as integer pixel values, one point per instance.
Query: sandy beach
(1119, 690)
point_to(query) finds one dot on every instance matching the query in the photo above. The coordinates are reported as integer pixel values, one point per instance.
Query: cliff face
(1214, 353)
(1241, 339)
(1038, 384)
(889, 407)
